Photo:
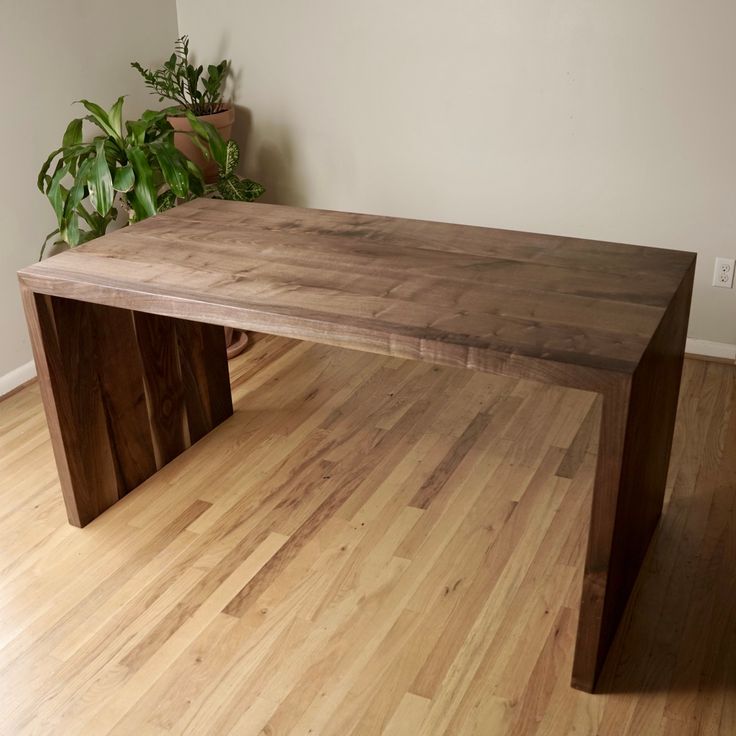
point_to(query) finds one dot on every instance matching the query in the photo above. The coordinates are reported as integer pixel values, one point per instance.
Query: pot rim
(228, 109)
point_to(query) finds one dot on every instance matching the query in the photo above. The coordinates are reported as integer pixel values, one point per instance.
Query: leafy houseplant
(179, 81)
(135, 167)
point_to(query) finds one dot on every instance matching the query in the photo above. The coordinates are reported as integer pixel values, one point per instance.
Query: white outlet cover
(723, 273)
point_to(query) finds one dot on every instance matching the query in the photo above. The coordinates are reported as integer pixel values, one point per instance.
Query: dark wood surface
(119, 396)
(633, 458)
(605, 317)
(445, 293)
(123, 396)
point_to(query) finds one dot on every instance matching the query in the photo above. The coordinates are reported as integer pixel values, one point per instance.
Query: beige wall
(611, 120)
(52, 53)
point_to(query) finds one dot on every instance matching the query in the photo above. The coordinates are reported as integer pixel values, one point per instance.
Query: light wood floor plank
(368, 547)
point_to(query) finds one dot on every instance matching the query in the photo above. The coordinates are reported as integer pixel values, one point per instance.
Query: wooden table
(128, 343)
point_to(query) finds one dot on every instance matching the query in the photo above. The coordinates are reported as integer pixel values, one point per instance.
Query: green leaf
(70, 156)
(70, 233)
(173, 168)
(239, 190)
(97, 224)
(124, 179)
(91, 218)
(143, 72)
(77, 192)
(72, 134)
(115, 116)
(232, 155)
(166, 201)
(46, 242)
(172, 111)
(101, 192)
(196, 179)
(85, 236)
(75, 151)
(150, 127)
(114, 155)
(143, 195)
(73, 154)
(154, 116)
(48, 179)
(136, 131)
(71, 142)
(209, 133)
(44, 169)
(100, 118)
(57, 193)
(255, 189)
(202, 146)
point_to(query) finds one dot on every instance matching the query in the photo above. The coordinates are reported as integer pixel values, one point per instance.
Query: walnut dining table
(129, 347)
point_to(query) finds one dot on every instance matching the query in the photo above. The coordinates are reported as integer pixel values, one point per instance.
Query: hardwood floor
(368, 546)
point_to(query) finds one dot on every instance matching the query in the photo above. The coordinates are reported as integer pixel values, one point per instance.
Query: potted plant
(135, 169)
(193, 92)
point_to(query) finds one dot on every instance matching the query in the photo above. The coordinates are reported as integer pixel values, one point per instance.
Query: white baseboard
(711, 349)
(17, 377)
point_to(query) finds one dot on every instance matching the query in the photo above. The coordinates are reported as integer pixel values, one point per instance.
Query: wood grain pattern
(204, 376)
(454, 620)
(62, 336)
(120, 374)
(634, 454)
(450, 294)
(159, 351)
(602, 317)
(118, 403)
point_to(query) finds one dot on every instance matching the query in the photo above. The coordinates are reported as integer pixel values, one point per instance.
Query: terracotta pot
(236, 341)
(223, 121)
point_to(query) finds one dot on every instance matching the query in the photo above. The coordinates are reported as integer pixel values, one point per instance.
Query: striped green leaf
(124, 179)
(72, 134)
(115, 116)
(210, 134)
(100, 118)
(99, 181)
(173, 168)
(46, 242)
(57, 193)
(143, 196)
(78, 190)
(45, 168)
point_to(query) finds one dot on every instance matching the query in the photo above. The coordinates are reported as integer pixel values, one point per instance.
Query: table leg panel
(637, 425)
(205, 377)
(62, 332)
(159, 351)
(120, 373)
(124, 393)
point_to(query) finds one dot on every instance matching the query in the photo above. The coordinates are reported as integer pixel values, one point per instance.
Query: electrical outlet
(723, 273)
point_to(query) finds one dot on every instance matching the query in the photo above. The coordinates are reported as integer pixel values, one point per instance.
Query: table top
(446, 293)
